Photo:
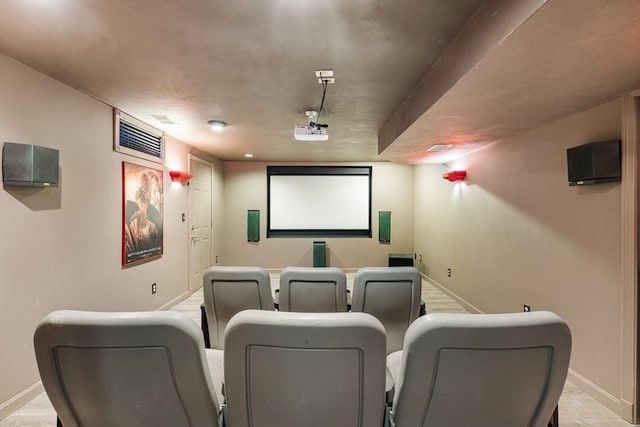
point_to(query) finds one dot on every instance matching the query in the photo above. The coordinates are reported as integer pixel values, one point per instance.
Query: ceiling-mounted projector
(311, 133)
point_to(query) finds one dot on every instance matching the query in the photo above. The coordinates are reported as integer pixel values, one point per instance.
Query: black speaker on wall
(29, 165)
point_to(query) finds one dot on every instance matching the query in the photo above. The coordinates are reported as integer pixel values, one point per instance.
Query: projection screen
(318, 201)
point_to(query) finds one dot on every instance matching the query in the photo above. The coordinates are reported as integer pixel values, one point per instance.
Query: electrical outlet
(448, 272)
(527, 308)
(184, 217)
(154, 288)
(217, 259)
(420, 258)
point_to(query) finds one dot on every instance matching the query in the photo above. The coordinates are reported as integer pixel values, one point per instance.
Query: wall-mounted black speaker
(29, 165)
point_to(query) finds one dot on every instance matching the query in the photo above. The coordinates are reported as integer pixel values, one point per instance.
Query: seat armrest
(389, 387)
(204, 325)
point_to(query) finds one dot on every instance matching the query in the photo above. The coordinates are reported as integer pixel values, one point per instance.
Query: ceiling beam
(494, 21)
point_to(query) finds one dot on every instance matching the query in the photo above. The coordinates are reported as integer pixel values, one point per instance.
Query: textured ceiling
(409, 73)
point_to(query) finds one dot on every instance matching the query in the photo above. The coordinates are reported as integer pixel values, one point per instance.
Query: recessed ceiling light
(217, 125)
(248, 155)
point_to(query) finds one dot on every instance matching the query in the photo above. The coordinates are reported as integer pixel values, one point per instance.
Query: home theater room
(320, 213)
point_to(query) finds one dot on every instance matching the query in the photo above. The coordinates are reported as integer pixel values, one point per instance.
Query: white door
(200, 249)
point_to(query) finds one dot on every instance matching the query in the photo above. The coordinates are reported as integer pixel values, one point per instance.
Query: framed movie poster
(142, 213)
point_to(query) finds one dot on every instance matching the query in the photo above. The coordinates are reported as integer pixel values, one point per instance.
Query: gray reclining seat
(228, 290)
(305, 369)
(392, 295)
(313, 289)
(469, 370)
(144, 369)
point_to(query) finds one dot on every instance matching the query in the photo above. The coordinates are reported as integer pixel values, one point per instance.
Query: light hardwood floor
(577, 408)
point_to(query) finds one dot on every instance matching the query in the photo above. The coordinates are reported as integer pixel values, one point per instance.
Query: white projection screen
(318, 201)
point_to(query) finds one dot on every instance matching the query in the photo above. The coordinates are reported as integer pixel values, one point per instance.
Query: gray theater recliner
(470, 370)
(313, 289)
(392, 295)
(305, 369)
(228, 290)
(144, 369)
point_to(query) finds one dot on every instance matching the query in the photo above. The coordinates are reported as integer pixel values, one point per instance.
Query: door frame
(630, 374)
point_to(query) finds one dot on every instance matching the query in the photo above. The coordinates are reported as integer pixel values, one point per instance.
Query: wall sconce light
(455, 176)
(178, 176)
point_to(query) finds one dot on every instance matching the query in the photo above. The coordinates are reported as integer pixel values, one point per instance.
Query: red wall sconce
(455, 176)
(178, 176)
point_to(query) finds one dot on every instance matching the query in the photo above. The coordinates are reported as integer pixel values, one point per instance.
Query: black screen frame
(319, 170)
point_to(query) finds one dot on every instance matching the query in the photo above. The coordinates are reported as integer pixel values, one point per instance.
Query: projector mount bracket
(316, 131)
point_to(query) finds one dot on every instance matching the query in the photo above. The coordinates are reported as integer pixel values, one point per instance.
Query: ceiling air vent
(165, 120)
(439, 147)
(138, 139)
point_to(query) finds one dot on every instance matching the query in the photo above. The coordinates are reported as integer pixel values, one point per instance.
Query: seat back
(304, 369)
(482, 369)
(228, 290)
(146, 369)
(392, 295)
(307, 289)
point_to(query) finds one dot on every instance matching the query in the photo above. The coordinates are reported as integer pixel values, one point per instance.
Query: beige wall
(515, 233)
(61, 247)
(246, 188)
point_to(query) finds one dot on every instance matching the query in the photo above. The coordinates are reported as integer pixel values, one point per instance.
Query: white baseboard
(463, 302)
(19, 400)
(627, 412)
(598, 393)
(176, 300)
